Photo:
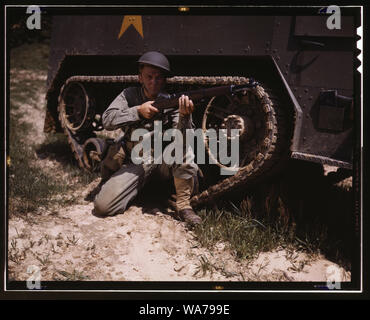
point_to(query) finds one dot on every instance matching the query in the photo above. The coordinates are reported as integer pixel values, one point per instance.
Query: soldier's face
(152, 80)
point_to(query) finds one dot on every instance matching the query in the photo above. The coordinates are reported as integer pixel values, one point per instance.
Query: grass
(72, 276)
(72, 241)
(297, 211)
(244, 235)
(44, 260)
(30, 187)
(206, 266)
(56, 147)
(15, 254)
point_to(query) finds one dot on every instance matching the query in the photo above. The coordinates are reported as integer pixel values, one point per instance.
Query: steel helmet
(156, 59)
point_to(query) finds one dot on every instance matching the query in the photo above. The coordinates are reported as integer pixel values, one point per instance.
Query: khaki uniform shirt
(123, 113)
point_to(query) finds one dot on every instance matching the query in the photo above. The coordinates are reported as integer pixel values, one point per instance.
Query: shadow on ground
(320, 208)
(56, 148)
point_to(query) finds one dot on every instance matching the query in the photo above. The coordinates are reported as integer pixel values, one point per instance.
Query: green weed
(73, 276)
(246, 235)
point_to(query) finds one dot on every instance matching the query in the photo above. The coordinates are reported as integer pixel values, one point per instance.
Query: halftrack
(302, 108)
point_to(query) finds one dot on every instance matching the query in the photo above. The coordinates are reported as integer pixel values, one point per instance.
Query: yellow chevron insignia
(136, 21)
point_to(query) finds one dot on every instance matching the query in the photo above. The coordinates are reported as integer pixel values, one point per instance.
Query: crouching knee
(105, 209)
(100, 209)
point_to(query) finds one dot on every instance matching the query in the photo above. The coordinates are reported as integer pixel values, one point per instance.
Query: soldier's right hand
(147, 111)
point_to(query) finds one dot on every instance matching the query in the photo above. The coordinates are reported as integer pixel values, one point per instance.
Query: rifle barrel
(172, 100)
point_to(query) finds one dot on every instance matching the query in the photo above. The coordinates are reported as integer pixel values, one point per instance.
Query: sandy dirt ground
(70, 243)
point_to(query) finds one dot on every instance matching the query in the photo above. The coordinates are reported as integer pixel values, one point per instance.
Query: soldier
(131, 106)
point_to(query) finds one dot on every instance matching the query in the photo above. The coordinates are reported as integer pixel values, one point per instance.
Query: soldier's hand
(147, 111)
(186, 106)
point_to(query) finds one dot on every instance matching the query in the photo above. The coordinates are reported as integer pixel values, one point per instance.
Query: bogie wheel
(76, 107)
(94, 150)
(262, 137)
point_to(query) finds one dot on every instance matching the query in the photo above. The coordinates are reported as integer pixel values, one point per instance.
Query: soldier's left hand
(186, 106)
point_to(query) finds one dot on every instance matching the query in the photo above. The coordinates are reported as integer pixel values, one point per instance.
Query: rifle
(170, 101)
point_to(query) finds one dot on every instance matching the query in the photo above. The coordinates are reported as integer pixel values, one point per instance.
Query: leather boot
(184, 189)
